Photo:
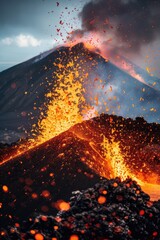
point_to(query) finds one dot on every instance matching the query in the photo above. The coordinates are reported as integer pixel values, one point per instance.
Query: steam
(110, 90)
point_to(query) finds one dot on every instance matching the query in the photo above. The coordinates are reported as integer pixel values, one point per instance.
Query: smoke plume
(125, 24)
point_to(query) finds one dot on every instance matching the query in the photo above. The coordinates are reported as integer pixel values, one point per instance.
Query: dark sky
(20, 15)
(28, 27)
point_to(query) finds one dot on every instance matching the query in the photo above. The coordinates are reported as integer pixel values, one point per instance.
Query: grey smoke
(133, 23)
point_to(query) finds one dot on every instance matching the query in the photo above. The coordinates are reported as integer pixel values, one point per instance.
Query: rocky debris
(112, 209)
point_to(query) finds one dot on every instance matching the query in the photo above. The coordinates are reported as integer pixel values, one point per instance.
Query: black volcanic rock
(110, 210)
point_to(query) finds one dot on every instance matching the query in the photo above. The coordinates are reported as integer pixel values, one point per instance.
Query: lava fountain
(65, 104)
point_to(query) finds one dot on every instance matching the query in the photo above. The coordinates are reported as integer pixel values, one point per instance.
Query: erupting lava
(112, 151)
(63, 110)
(65, 104)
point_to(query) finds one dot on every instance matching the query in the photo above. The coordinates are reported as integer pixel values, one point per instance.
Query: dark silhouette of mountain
(74, 160)
(24, 87)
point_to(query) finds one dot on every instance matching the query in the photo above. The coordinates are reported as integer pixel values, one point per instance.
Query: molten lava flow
(121, 63)
(127, 67)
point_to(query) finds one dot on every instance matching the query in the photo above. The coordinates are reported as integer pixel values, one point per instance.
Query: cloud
(7, 41)
(27, 41)
(22, 41)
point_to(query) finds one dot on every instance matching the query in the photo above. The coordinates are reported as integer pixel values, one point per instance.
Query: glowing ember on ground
(5, 188)
(74, 237)
(101, 200)
(62, 205)
(39, 236)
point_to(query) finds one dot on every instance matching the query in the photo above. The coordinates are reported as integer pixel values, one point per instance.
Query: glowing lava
(112, 153)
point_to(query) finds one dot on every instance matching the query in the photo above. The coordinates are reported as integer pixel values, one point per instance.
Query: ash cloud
(131, 23)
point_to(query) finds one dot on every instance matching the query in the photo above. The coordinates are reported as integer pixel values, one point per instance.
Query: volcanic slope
(23, 89)
(74, 160)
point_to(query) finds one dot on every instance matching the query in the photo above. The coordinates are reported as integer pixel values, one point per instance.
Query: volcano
(47, 101)
(23, 89)
(35, 180)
